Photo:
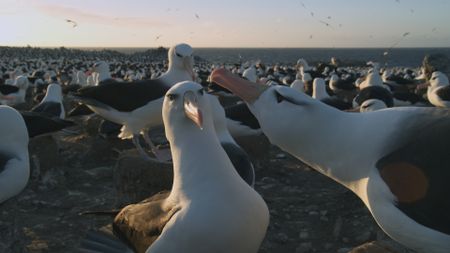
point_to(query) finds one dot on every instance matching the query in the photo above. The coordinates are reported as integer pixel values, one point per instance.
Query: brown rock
(136, 179)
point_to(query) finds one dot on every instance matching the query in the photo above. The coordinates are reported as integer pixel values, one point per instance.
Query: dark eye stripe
(177, 54)
(281, 98)
(171, 97)
(201, 91)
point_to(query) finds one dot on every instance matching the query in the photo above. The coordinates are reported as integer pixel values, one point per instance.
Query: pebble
(304, 247)
(343, 250)
(281, 238)
(280, 156)
(328, 246)
(304, 235)
(363, 237)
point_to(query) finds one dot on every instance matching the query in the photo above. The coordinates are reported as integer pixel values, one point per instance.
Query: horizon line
(227, 47)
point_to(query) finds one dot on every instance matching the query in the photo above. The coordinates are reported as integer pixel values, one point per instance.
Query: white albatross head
(181, 58)
(438, 79)
(186, 110)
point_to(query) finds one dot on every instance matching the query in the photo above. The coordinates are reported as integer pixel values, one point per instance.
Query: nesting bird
(209, 208)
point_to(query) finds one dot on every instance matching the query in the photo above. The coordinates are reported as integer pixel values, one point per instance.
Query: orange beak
(244, 89)
(191, 109)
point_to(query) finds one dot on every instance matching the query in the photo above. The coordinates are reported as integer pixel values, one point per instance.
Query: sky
(226, 23)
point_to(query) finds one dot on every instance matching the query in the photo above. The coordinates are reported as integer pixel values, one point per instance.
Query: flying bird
(74, 24)
(157, 37)
(197, 16)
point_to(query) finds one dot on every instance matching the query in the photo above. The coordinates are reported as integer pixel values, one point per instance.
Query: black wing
(375, 92)
(241, 113)
(6, 89)
(50, 108)
(418, 174)
(123, 96)
(337, 103)
(241, 162)
(38, 124)
(4, 158)
(80, 110)
(444, 93)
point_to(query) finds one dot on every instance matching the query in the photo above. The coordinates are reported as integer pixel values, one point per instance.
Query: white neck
(198, 158)
(328, 135)
(174, 75)
(103, 75)
(319, 91)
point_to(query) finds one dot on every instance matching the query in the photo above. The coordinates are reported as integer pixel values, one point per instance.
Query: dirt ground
(79, 172)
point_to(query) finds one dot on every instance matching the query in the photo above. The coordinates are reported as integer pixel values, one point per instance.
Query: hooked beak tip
(191, 109)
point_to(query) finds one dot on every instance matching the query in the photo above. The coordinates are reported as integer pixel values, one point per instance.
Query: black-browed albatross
(402, 175)
(14, 160)
(209, 209)
(137, 105)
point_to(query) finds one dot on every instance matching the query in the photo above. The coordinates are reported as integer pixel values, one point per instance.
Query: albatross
(137, 105)
(438, 92)
(402, 175)
(209, 208)
(14, 161)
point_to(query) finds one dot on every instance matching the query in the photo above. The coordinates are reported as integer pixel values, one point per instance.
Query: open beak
(244, 89)
(187, 63)
(191, 109)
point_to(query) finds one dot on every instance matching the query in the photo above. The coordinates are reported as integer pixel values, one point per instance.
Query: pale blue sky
(232, 23)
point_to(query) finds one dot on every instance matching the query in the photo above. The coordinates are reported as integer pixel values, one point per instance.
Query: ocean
(406, 57)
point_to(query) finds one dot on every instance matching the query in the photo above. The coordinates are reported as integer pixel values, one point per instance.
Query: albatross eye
(280, 98)
(171, 97)
(179, 55)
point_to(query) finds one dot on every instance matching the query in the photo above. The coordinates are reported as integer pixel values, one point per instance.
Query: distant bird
(52, 103)
(402, 178)
(17, 97)
(14, 159)
(250, 73)
(197, 16)
(209, 209)
(320, 93)
(157, 37)
(371, 105)
(338, 85)
(438, 92)
(103, 73)
(73, 23)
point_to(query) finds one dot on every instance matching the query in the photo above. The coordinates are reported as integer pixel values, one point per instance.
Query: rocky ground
(81, 171)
